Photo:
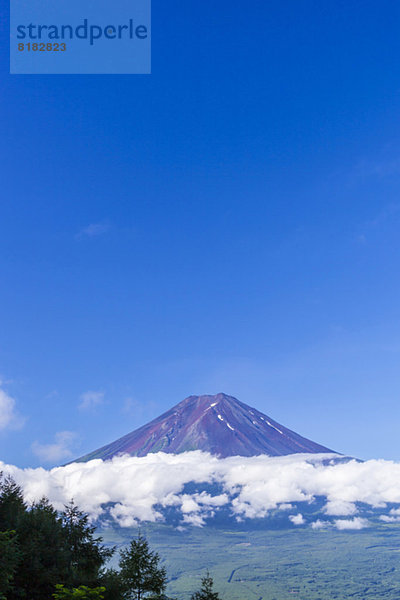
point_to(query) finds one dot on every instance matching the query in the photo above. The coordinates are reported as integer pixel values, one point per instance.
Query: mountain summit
(221, 425)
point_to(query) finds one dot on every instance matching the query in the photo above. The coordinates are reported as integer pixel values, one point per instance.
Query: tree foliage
(83, 592)
(86, 554)
(46, 554)
(47, 548)
(206, 591)
(140, 571)
(43, 552)
(12, 505)
(9, 560)
(114, 587)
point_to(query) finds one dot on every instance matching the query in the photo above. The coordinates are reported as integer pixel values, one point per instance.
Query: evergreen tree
(9, 559)
(12, 505)
(140, 572)
(206, 591)
(43, 552)
(86, 555)
(112, 582)
(46, 548)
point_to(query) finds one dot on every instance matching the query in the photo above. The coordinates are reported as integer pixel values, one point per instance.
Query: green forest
(47, 555)
(59, 556)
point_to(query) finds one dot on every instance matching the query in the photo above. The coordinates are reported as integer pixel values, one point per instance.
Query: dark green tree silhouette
(40, 538)
(12, 505)
(140, 572)
(206, 591)
(47, 548)
(9, 559)
(86, 554)
(44, 553)
(112, 582)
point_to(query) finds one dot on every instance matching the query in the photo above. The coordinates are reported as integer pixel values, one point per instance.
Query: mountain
(221, 425)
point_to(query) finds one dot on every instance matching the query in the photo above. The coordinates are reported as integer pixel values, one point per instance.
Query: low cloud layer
(137, 489)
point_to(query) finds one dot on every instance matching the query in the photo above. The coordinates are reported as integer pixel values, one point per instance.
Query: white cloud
(392, 517)
(59, 450)
(297, 519)
(252, 487)
(356, 523)
(389, 519)
(340, 508)
(9, 418)
(123, 516)
(93, 230)
(194, 519)
(285, 506)
(90, 400)
(318, 524)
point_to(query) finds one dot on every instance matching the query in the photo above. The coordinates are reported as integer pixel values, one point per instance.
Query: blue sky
(228, 223)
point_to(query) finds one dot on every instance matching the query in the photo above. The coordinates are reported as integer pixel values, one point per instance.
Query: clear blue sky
(228, 223)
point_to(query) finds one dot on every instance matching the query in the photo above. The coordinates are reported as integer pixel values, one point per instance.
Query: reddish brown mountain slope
(217, 424)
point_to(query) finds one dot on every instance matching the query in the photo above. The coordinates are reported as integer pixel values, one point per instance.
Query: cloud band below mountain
(136, 489)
